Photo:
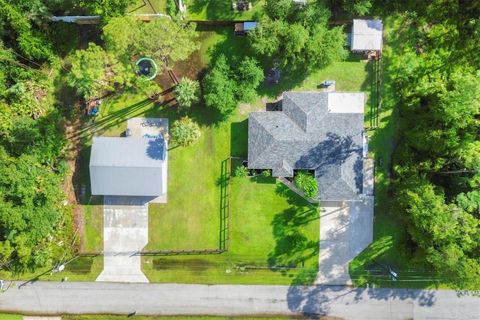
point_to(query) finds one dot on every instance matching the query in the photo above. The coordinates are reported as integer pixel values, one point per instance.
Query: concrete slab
(125, 234)
(346, 229)
(139, 127)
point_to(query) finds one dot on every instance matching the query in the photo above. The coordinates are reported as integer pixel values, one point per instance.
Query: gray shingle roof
(127, 166)
(306, 135)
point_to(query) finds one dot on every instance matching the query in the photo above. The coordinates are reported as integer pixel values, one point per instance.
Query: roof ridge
(272, 138)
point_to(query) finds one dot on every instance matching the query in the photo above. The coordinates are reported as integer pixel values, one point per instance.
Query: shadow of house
(239, 138)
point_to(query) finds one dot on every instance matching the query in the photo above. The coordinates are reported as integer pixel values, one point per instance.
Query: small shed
(301, 2)
(366, 35)
(242, 28)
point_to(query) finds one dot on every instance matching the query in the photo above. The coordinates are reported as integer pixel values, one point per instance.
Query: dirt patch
(72, 129)
(192, 67)
(244, 108)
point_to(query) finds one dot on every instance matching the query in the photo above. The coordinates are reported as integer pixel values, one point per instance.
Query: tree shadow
(292, 247)
(291, 197)
(334, 150)
(318, 300)
(289, 78)
(156, 149)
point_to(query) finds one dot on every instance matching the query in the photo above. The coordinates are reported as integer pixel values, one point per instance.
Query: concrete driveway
(346, 229)
(125, 234)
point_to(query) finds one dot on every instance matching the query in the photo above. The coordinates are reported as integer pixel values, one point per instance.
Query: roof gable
(329, 142)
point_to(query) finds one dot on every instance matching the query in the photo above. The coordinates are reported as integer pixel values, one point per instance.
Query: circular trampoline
(147, 67)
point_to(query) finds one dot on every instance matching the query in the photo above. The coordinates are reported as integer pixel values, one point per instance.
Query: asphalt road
(180, 299)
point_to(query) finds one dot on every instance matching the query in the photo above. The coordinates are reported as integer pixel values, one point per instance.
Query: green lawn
(270, 227)
(93, 225)
(5, 316)
(221, 10)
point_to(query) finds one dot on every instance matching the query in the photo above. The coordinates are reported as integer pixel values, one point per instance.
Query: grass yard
(271, 229)
(5, 316)
(352, 74)
(221, 10)
(93, 226)
(190, 218)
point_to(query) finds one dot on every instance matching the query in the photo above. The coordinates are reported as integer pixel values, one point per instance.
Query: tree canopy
(93, 71)
(164, 40)
(105, 8)
(24, 19)
(33, 218)
(436, 166)
(298, 36)
(228, 82)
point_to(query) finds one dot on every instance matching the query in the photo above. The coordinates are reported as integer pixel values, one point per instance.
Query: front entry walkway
(125, 234)
(346, 229)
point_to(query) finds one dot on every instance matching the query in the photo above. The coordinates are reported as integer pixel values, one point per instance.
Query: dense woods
(436, 161)
(34, 222)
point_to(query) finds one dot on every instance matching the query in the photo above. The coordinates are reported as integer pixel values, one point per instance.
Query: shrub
(266, 173)
(185, 131)
(241, 171)
(307, 184)
(187, 92)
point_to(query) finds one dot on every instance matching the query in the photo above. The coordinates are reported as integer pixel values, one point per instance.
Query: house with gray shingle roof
(319, 131)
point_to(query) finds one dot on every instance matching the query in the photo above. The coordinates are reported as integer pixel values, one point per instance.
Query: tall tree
(95, 71)
(105, 8)
(298, 36)
(248, 75)
(218, 87)
(24, 19)
(164, 40)
(437, 172)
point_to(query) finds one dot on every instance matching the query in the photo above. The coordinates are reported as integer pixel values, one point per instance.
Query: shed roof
(128, 166)
(249, 25)
(311, 134)
(367, 35)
